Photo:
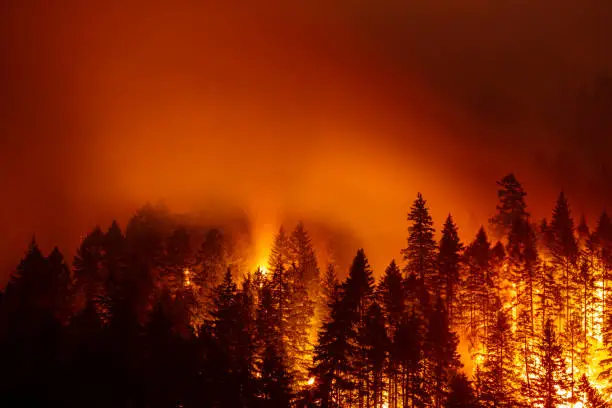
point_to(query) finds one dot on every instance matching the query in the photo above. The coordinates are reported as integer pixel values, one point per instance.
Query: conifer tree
(603, 248)
(420, 253)
(332, 356)
(449, 257)
(177, 271)
(87, 268)
(410, 356)
(511, 206)
(461, 394)
(299, 344)
(551, 375)
(589, 396)
(272, 364)
(211, 262)
(500, 383)
(330, 287)
(442, 359)
(478, 291)
(564, 249)
(280, 254)
(303, 255)
(358, 293)
(377, 347)
(393, 300)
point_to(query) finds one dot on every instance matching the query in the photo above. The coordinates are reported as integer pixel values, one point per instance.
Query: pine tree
(551, 375)
(303, 255)
(461, 394)
(211, 262)
(377, 347)
(411, 358)
(274, 379)
(603, 247)
(329, 292)
(511, 205)
(299, 344)
(478, 291)
(523, 274)
(87, 268)
(280, 254)
(564, 249)
(358, 292)
(177, 272)
(449, 257)
(332, 356)
(230, 327)
(393, 300)
(500, 382)
(442, 359)
(420, 253)
(589, 396)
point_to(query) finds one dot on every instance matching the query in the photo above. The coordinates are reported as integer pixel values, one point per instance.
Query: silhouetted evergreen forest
(159, 315)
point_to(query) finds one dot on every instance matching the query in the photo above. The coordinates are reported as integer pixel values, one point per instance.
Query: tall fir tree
(551, 375)
(449, 264)
(376, 342)
(420, 253)
(461, 393)
(564, 249)
(511, 206)
(589, 396)
(500, 383)
(478, 291)
(442, 359)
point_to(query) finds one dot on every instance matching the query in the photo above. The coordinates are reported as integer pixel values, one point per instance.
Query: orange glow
(311, 381)
(186, 277)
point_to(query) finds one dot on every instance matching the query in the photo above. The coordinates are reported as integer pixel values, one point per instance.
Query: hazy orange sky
(335, 111)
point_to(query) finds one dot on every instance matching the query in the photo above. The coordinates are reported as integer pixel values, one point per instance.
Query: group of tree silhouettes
(155, 317)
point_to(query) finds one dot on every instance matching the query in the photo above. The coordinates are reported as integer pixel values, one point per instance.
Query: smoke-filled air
(372, 204)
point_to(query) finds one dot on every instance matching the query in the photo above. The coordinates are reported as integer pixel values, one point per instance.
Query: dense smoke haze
(334, 113)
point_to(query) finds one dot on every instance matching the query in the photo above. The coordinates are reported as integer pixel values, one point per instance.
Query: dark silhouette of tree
(564, 249)
(603, 246)
(377, 347)
(169, 376)
(330, 289)
(524, 275)
(211, 263)
(461, 394)
(332, 356)
(280, 253)
(341, 355)
(551, 374)
(178, 260)
(393, 300)
(303, 255)
(442, 359)
(274, 379)
(31, 332)
(410, 356)
(89, 280)
(500, 382)
(589, 396)
(479, 291)
(420, 253)
(449, 257)
(511, 206)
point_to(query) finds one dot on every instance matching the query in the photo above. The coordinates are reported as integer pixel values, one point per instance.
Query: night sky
(327, 112)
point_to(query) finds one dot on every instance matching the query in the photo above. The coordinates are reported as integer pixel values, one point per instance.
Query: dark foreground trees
(166, 315)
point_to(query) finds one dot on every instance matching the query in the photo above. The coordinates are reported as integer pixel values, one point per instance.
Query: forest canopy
(162, 314)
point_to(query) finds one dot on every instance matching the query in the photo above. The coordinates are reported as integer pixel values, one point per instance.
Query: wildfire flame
(186, 274)
(311, 381)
